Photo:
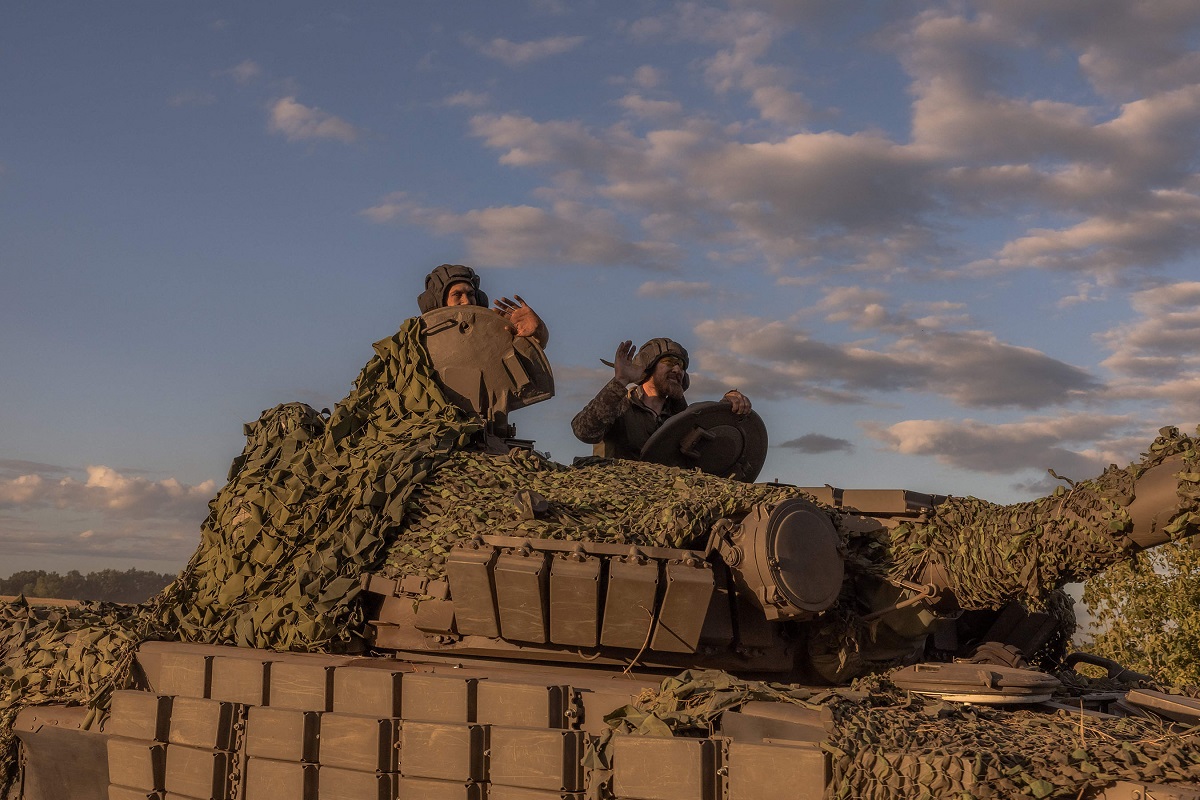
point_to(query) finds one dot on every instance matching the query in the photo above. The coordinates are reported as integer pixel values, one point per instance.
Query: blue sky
(941, 246)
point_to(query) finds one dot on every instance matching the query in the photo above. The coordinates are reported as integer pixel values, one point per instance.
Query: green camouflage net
(889, 744)
(1025, 551)
(621, 502)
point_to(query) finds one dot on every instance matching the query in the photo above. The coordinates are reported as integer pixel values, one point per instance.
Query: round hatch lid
(977, 683)
(709, 436)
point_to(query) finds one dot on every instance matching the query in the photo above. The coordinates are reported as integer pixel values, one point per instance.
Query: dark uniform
(617, 421)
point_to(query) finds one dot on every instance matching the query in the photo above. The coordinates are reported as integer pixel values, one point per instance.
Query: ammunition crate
(184, 675)
(769, 771)
(139, 715)
(436, 697)
(206, 724)
(136, 764)
(444, 751)
(301, 686)
(201, 774)
(649, 768)
(348, 784)
(267, 779)
(536, 758)
(368, 744)
(497, 792)
(283, 734)
(421, 789)
(524, 705)
(125, 793)
(369, 691)
(240, 680)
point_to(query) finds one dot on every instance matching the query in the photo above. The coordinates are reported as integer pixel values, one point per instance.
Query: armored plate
(710, 436)
(977, 683)
(482, 366)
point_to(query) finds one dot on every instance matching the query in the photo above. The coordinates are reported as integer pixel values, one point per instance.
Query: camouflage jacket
(618, 422)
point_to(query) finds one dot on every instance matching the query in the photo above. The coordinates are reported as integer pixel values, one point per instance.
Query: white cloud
(511, 236)
(466, 99)
(107, 491)
(646, 108)
(927, 352)
(518, 53)
(1124, 47)
(675, 289)
(648, 77)
(297, 122)
(1157, 354)
(1034, 443)
(244, 72)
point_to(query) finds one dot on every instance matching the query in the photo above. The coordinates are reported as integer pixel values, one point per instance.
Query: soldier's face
(668, 377)
(460, 294)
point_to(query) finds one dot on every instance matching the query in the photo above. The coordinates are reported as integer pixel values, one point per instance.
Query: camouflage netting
(622, 502)
(889, 744)
(1027, 550)
(312, 503)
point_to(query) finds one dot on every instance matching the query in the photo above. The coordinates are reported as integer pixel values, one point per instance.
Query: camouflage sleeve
(601, 412)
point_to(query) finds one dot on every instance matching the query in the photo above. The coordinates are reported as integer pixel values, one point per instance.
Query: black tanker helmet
(438, 283)
(649, 354)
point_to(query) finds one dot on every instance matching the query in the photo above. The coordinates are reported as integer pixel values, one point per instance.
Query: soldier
(646, 390)
(456, 285)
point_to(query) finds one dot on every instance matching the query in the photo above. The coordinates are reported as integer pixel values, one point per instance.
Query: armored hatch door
(480, 363)
(709, 436)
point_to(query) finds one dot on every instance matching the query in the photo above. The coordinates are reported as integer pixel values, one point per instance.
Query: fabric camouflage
(619, 423)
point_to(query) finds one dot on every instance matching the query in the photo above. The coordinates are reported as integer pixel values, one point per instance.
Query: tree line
(111, 585)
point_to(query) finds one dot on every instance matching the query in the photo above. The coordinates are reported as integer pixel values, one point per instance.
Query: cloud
(518, 53)
(513, 236)
(744, 37)
(1157, 354)
(22, 467)
(925, 351)
(1123, 47)
(244, 72)
(107, 491)
(645, 108)
(648, 77)
(1000, 448)
(297, 122)
(115, 541)
(674, 289)
(816, 443)
(466, 99)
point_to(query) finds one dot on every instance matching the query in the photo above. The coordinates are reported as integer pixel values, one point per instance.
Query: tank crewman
(646, 390)
(456, 285)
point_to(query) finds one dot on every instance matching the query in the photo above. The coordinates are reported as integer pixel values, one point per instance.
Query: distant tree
(1147, 613)
(112, 585)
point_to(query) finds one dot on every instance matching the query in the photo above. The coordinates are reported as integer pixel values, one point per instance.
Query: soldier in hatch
(646, 390)
(456, 285)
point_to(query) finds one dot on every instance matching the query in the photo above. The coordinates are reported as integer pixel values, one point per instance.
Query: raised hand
(623, 366)
(524, 320)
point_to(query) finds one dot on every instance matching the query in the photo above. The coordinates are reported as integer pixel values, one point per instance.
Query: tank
(401, 599)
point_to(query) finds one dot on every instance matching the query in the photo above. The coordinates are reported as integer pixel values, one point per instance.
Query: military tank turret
(401, 599)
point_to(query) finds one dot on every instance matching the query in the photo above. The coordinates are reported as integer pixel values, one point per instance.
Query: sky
(942, 246)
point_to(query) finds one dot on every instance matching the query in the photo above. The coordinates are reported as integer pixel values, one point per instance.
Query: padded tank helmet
(653, 350)
(439, 281)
